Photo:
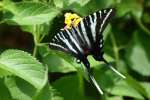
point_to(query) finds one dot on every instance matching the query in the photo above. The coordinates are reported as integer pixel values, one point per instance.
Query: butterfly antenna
(94, 82)
(113, 69)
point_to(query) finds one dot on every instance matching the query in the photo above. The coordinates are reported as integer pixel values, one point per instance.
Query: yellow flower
(72, 20)
(76, 22)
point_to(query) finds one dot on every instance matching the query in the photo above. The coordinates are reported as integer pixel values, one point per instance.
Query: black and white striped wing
(85, 36)
(67, 41)
(93, 26)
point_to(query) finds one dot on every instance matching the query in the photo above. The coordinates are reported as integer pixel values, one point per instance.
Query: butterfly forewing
(95, 24)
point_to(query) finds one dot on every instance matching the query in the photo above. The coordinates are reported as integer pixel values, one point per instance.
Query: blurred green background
(28, 24)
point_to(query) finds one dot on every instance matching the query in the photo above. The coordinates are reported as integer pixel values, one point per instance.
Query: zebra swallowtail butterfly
(86, 39)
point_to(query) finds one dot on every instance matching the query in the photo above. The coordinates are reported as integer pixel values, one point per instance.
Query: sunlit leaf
(57, 61)
(146, 85)
(30, 13)
(121, 88)
(58, 64)
(59, 3)
(41, 29)
(136, 85)
(140, 61)
(4, 73)
(114, 98)
(23, 65)
(68, 3)
(137, 57)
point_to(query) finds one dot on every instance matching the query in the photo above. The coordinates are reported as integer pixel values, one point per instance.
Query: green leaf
(4, 73)
(70, 85)
(114, 98)
(4, 92)
(94, 5)
(23, 65)
(101, 4)
(58, 64)
(30, 13)
(55, 95)
(121, 88)
(146, 17)
(38, 31)
(146, 86)
(94, 63)
(109, 82)
(19, 89)
(136, 85)
(140, 61)
(28, 28)
(137, 57)
(107, 30)
(59, 3)
(67, 3)
(133, 6)
(49, 93)
(104, 77)
(57, 61)
(64, 85)
(80, 2)
(143, 42)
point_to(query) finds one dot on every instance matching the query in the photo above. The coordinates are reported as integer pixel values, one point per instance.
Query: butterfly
(86, 39)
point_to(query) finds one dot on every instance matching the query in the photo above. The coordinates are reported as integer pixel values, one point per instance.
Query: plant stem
(42, 37)
(81, 81)
(34, 51)
(35, 45)
(42, 44)
(140, 24)
(35, 36)
(115, 49)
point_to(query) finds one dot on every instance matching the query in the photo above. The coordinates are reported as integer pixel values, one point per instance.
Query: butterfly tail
(92, 79)
(113, 69)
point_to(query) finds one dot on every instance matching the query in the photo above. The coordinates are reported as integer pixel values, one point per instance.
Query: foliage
(46, 74)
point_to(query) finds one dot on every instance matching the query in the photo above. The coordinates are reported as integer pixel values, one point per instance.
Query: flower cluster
(72, 20)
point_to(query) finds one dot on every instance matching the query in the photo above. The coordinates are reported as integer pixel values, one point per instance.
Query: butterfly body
(85, 39)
